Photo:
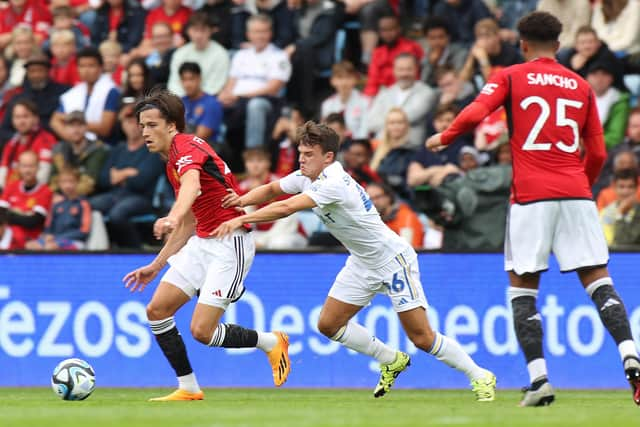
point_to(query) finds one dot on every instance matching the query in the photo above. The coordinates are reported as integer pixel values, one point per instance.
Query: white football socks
(627, 349)
(266, 341)
(189, 383)
(357, 338)
(449, 351)
(537, 369)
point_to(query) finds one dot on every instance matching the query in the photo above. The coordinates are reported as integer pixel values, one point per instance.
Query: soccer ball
(73, 379)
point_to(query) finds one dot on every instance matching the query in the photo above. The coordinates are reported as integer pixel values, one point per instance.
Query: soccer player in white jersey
(379, 262)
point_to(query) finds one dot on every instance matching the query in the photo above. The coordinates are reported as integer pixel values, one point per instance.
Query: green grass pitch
(39, 407)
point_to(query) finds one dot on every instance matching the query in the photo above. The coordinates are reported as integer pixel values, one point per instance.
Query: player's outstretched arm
(268, 213)
(257, 196)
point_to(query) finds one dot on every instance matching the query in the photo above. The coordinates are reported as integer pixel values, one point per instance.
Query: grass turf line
(35, 407)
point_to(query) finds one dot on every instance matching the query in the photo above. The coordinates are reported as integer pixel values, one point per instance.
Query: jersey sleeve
(326, 192)
(292, 183)
(494, 93)
(492, 96)
(189, 157)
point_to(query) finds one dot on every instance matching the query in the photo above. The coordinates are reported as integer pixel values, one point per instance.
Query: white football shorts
(215, 267)
(399, 279)
(569, 228)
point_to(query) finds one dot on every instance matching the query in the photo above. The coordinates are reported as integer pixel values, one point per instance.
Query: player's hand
(139, 279)
(434, 143)
(164, 226)
(231, 200)
(227, 227)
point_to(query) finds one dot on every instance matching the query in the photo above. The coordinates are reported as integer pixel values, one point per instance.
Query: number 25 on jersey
(561, 119)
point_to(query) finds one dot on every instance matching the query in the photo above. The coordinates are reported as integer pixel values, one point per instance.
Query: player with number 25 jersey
(558, 151)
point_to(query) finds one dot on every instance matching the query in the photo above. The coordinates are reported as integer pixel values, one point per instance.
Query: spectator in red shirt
(32, 13)
(68, 225)
(393, 44)
(29, 136)
(26, 201)
(171, 12)
(64, 68)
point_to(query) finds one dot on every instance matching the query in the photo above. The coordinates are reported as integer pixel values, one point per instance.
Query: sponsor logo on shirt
(489, 88)
(183, 161)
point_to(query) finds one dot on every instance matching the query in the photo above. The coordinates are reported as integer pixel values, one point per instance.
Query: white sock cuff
(218, 335)
(627, 348)
(161, 326)
(513, 293)
(438, 343)
(594, 286)
(537, 369)
(338, 335)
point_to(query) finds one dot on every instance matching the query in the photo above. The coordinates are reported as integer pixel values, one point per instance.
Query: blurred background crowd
(384, 74)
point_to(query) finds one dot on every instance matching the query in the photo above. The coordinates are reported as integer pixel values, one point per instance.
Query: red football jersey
(190, 152)
(40, 141)
(550, 112)
(37, 200)
(177, 21)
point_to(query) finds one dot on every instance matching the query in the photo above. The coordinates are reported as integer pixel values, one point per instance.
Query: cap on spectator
(38, 59)
(481, 158)
(75, 117)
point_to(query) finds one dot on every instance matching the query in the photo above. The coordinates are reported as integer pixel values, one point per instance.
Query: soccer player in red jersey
(552, 118)
(214, 267)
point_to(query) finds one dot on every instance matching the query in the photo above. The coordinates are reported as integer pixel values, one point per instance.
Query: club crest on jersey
(183, 161)
(489, 88)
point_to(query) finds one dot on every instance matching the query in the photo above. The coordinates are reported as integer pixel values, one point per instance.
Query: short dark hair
(190, 67)
(625, 174)
(386, 189)
(312, 133)
(90, 52)
(389, 16)
(443, 70)
(539, 27)
(30, 105)
(168, 103)
(446, 108)
(363, 142)
(335, 118)
(200, 19)
(435, 22)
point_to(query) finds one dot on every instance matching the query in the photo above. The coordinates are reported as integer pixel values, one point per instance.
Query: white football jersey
(349, 214)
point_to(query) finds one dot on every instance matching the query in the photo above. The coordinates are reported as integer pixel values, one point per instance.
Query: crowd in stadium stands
(384, 74)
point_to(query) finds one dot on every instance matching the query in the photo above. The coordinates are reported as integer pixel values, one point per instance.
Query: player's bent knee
(423, 340)
(202, 333)
(156, 312)
(327, 328)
